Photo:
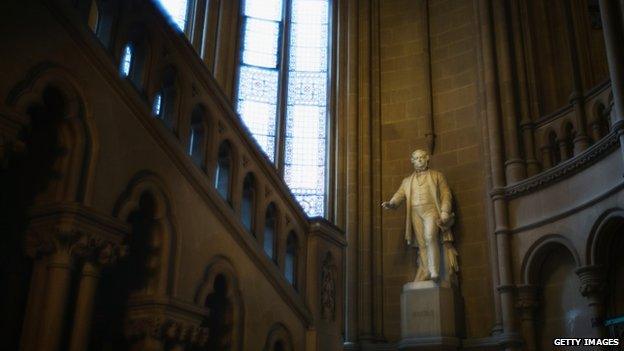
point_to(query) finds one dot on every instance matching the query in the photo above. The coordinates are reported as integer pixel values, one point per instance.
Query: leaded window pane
(310, 11)
(260, 43)
(307, 88)
(176, 10)
(126, 60)
(258, 84)
(265, 9)
(305, 91)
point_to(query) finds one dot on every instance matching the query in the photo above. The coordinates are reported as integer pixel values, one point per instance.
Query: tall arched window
(247, 205)
(197, 137)
(224, 170)
(176, 11)
(127, 60)
(290, 260)
(282, 90)
(270, 231)
(164, 104)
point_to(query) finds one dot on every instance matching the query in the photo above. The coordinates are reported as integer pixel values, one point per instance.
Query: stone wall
(458, 151)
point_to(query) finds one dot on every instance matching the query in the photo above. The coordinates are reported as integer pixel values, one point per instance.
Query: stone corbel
(158, 330)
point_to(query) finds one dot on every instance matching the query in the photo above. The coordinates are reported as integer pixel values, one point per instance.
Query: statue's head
(420, 160)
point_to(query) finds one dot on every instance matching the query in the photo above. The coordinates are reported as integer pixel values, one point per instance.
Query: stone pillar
(95, 252)
(34, 306)
(527, 127)
(614, 36)
(547, 160)
(55, 300)
(564, 148)
(498, 168)
(515, 168)
(527, 305)
(593, 285)
(84, 307)
(581, 141)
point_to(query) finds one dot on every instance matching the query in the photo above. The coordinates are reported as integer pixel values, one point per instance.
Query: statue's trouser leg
(418, 228)
(430, 219)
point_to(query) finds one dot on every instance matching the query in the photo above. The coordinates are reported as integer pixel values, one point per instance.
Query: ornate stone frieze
(564, 169)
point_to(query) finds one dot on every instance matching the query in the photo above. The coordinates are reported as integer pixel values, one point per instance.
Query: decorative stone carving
(328, 288)
(163, 328)
(428, 221)
(565, 169)
(77, 230)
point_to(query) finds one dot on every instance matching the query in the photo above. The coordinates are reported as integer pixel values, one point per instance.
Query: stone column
(498, 168)
(527, 127)
(55, 300)
(581, 141)
(515, 168)
(614, 36)
(89, 278)
(547, 161)
(593, 285)
(527, 304)
(96, 253)
(34, 306)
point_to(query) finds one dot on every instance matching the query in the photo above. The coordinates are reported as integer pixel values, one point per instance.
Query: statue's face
(420, 160)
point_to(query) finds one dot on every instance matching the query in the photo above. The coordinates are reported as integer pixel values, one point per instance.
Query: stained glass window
(301, 63)
(156, 106)
(176, 10)
(126, 61)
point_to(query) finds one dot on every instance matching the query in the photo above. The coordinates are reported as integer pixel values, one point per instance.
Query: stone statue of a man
(428, 217)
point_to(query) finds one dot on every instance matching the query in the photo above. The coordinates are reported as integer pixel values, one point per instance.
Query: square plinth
(428, 310)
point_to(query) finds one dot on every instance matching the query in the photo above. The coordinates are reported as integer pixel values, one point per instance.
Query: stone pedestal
(429, 314)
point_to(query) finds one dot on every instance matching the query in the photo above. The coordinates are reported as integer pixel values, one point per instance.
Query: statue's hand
(387, 205)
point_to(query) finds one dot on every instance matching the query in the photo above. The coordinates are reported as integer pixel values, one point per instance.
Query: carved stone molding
(166, 329)
(76, 229)
(564, 169)
(165, 319)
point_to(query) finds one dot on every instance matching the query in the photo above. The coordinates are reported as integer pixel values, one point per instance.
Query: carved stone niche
(76, 230)
(164, 324)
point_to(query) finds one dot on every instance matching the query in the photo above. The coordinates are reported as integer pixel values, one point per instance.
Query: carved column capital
(77, 230)
(593, 281)
(98, 250)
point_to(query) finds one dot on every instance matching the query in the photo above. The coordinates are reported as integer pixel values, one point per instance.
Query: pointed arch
(279, 338)
(50, 86)
(148, 195)
(221, 281)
